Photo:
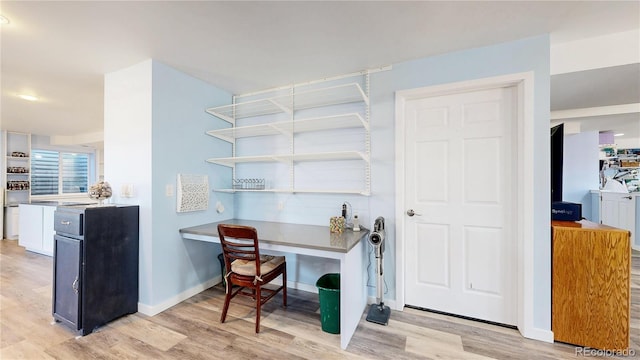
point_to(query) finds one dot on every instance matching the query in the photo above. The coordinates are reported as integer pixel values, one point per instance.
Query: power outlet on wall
(168, 190)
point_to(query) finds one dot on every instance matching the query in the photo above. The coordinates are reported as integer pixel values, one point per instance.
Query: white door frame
(524, 190)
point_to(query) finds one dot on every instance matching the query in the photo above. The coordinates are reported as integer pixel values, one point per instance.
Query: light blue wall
(531, 54)
(154, 129)
(595, 207)
(180, 146)
(306, 208)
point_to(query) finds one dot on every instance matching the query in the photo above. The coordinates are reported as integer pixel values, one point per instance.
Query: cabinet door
(11, 222)
(618, 210)
(30, 227)
(67, 281)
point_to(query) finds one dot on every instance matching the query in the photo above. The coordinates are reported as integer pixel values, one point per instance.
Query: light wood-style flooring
(191, 329)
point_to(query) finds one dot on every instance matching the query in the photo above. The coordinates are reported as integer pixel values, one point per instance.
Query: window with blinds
(54, 172)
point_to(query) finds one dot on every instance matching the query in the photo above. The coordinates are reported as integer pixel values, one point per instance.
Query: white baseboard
(152, 310)
(297, 285)
(301, 286)
(539, 334)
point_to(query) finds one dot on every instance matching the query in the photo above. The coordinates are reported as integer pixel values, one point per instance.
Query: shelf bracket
(282, 131)
(222, 137)
(226, 118)
(281, 107)
(221, 163)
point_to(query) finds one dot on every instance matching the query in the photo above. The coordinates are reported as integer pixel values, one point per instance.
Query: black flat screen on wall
(557, 141)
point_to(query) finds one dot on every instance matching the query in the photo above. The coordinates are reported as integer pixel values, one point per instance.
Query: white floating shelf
(231, 161)
(334, 95)
(269, 106)
(343, 121)
(327, 156)
(340, 94)
(292, 191)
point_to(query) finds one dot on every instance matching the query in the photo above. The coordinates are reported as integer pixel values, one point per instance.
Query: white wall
(628, 143)
(580, 172)
(602, 51)
(127, 152)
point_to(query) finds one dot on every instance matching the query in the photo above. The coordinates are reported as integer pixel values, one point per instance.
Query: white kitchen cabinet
(298, 131)
(619, 210)
(36, 228)
(11, 222)
(47, 229)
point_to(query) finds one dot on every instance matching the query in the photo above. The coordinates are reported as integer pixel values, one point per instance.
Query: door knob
(410, 212)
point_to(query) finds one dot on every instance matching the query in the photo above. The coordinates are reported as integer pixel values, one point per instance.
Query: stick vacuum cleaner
(379, 313)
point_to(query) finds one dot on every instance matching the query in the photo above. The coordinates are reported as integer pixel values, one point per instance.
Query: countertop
(55, 203)
(635, 193)
(584, 224)
(306, 236)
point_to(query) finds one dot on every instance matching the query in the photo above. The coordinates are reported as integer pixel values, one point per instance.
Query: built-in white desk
(312, 240)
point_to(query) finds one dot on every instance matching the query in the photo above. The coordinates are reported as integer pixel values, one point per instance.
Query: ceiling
(59, 51)
(616, 85)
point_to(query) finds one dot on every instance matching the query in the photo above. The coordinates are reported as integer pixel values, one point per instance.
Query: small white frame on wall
(192, 193)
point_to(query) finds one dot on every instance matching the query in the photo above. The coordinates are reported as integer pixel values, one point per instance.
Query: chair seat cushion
(248, 267)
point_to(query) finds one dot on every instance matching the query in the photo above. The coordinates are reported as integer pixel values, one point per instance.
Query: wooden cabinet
(591, 285)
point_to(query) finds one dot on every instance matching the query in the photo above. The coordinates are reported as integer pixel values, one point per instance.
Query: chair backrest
(245, 246)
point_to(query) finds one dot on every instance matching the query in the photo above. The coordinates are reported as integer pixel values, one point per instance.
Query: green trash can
(329, 292)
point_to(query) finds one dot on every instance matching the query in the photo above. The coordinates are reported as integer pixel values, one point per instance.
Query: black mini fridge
(95, 278)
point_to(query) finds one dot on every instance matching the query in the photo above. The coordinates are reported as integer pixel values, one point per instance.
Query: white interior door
(618, 210)
(460, 183)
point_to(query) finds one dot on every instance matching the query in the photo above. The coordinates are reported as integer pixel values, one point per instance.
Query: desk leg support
(353, 291)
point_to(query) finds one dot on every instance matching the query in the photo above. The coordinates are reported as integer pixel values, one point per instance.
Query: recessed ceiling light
(3, 20)
(28, 97)
(618, 134)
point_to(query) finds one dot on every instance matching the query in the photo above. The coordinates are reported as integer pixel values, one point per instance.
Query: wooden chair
(246, 268)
